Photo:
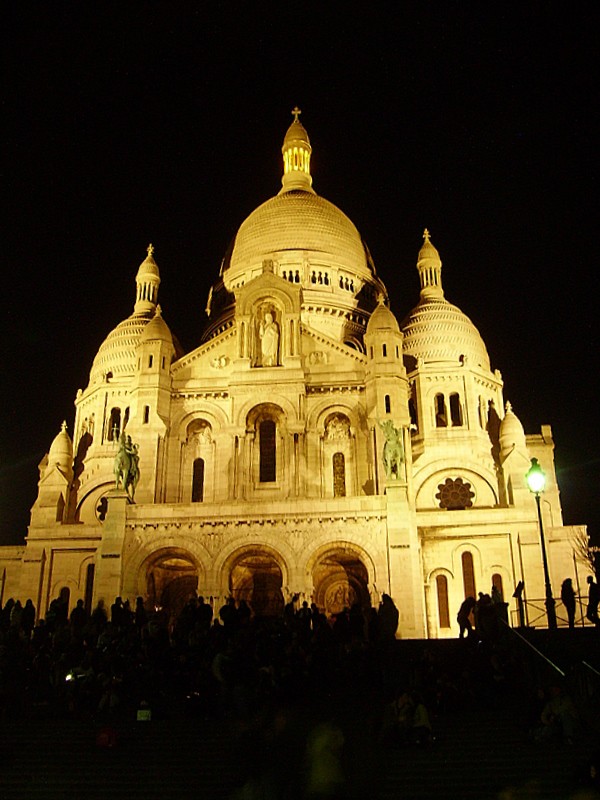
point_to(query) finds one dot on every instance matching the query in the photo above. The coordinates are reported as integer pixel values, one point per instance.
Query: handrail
(593, 669)
(534, 648)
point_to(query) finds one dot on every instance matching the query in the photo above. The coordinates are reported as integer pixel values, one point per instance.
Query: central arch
(340, 579)
(256, 577)
(169, 578)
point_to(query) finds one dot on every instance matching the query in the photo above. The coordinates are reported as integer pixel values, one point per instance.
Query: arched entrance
(256, 578)
(171, 578)
(340, 579)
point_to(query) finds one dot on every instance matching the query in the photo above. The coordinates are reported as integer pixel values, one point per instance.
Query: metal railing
(536, 615)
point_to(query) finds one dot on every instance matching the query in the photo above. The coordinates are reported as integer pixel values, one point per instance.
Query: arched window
(198, 481)
(412, 410)
(89, 587)
(497, 583)
(267, 448)
(441, 415)
(442, 595)
(468, 571)
(388, 404)
(114, 425)
(339, 475)
(455, 409)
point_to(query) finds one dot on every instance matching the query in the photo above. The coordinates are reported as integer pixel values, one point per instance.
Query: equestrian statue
(393, 449)
(127, 470)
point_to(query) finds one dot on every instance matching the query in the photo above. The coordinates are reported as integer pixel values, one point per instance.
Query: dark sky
(162, 122)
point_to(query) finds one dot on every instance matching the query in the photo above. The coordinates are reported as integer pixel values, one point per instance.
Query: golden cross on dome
(296, 112)
(150, 249)
(426, 235)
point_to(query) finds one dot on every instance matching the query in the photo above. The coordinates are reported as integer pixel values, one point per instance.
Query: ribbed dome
(298, 220)
(435, 330)
(117, 351)
(382, 319)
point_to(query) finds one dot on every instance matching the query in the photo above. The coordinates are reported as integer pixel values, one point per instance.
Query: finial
(63, 427)
(150, 249)
(508, 407)
(426, 235)
(380, 298)
(158, 311)
(296, 112)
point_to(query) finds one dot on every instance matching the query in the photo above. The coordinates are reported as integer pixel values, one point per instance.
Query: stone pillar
(107, 580)
(406, 574)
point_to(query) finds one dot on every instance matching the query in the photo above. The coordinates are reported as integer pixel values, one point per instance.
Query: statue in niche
(393, 449)
(268, 333)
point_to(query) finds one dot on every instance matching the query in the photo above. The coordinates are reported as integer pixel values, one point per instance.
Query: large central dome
(301, 221)
(299, 230)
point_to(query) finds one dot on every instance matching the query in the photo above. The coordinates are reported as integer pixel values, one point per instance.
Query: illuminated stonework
(261, 450)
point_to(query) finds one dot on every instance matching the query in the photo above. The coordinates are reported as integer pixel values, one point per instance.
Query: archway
(340, 579)
(256, 578)
(171, 578)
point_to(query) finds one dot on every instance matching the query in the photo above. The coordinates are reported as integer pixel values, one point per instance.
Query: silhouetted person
(140, 616)
(28, 618)
(464, 623)
(388, 618)
(593, 600)
(78, 618)
(567, 595)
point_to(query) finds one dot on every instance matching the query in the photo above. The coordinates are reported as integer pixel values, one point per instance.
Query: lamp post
(536, 481)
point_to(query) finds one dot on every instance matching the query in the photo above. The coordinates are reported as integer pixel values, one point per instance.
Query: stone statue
(393, 449)
(269, 341)
(127, 471)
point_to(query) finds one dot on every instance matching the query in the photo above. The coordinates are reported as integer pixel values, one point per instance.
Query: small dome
(61, 450)
(157, 329)
(382, 319)
(511, 431)
(435, 330)
(116, 354)
(148, 265)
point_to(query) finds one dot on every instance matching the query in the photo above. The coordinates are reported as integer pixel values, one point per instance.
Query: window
(468, 575)
(198, 481)
(150, 361)
(339, 475)
(114, 425)
(441, 415)
(455, 410)
(388, 404)
(267, 448)
(455, 494)
(146, 414)
(497, 583)
(412, 410)
(442, 595)
(89, 587)
(384, 350)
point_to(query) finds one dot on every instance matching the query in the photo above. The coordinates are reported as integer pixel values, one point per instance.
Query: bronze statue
(127, 471)
(393, 449)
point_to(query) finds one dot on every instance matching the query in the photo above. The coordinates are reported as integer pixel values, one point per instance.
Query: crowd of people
(226, 664)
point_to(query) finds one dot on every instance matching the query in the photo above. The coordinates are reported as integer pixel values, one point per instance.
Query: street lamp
(536, 481)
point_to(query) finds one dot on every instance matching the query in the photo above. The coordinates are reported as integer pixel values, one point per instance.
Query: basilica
(312, 444)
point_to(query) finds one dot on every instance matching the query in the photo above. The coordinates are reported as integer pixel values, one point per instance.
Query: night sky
(131, 123)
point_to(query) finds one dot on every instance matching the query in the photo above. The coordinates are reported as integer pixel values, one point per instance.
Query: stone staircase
(482, 751)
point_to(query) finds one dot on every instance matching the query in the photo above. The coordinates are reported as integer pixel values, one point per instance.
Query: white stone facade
(261, 451)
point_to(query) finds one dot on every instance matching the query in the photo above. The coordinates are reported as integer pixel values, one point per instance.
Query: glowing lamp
(535, 477)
